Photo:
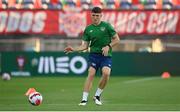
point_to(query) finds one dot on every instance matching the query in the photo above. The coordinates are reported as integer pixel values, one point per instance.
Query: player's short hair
(96, 10)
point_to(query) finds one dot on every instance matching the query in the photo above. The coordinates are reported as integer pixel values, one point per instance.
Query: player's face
(96, 18)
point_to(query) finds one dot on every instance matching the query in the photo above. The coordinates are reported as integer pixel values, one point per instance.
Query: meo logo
(62, 65)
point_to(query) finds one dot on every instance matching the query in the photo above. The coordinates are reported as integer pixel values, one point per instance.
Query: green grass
(64, 93)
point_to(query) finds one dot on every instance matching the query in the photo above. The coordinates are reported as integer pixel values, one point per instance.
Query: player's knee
(91, 73)
(105, 75)
(106, 71)
(90, 77)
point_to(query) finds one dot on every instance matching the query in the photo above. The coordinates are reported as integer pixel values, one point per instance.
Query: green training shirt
(99, 36)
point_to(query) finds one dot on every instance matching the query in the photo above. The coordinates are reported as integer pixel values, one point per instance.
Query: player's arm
(115, 40)
(84, 46)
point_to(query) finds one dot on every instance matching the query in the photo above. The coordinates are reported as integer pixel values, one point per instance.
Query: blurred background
(147, 28)
(146, 63)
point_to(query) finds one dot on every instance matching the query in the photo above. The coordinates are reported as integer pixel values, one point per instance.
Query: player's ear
(101, 15)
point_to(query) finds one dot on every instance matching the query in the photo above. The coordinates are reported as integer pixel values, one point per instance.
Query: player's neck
(96, 24)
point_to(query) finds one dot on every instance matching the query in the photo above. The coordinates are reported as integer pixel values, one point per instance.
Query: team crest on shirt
(102, 28)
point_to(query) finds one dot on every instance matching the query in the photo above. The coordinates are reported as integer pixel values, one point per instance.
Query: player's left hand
(68, 49)
(105, 50)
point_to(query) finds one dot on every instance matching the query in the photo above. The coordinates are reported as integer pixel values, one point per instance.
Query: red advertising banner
(72, 24)
(144, 22)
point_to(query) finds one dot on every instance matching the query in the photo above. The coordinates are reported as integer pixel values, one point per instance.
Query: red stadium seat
(0, 4)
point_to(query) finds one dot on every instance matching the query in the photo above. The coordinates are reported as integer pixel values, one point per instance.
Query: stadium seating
(88, 4)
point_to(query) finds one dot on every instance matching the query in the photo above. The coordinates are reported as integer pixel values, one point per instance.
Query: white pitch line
(141, 80)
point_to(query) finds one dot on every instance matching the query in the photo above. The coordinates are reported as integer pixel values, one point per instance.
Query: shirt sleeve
(85, 36)
(111, 30)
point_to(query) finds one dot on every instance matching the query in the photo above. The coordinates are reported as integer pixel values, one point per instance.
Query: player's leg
(88, 82)
(102, 83)
(106, 63)
(105, 77)
(88, 85)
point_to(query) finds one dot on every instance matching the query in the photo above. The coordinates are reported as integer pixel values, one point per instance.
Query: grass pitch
(64, 94)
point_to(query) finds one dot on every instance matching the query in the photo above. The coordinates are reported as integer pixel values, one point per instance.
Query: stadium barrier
(72, 24)
(60, 64)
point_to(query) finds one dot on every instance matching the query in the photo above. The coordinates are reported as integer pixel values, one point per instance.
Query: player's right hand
(68, 49)
(105, 50)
